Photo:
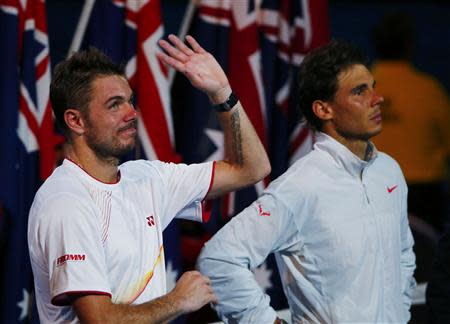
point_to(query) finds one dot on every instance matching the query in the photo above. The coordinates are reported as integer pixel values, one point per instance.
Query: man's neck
(356, 146)
(105, 170)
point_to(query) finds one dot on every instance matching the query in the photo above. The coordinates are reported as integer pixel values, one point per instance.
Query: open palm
(199, 66)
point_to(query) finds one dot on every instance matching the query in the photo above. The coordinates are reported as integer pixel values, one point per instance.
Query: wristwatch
(228, 104)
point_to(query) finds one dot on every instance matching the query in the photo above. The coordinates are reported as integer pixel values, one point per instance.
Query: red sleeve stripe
(212, 179)
(64, 300)
(207, 205)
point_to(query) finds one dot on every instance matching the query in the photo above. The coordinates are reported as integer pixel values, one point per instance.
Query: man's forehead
(356, 73)
(111, 86)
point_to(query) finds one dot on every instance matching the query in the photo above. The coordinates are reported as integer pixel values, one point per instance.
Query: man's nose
(377, 99)
(131, 112)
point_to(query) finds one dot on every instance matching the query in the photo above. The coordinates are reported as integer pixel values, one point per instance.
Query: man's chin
(375, 132)
(125, 150)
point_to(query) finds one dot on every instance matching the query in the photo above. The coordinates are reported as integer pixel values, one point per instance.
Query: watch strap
(228, 104)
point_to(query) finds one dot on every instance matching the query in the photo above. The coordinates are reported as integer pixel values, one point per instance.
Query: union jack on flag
(35, 122)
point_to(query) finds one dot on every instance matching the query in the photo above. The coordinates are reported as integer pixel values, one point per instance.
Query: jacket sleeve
(407, 259)
(243, 244)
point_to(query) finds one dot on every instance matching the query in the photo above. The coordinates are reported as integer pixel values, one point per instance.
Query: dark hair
(72, 79)
(394, 36)
(318, 75)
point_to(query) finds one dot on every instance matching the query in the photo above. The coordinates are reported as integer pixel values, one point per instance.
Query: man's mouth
(377, 117)
(131, 126)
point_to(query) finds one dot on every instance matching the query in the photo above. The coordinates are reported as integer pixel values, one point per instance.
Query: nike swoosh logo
(392, 188)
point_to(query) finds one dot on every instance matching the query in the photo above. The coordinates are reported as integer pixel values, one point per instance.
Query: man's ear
(322, 110)
(74, 121)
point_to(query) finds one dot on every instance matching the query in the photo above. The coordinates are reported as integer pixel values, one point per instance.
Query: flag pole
(81, 27)
(186, 23)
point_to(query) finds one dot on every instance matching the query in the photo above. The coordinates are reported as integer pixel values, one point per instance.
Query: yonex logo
(151, 220)
(70, 257)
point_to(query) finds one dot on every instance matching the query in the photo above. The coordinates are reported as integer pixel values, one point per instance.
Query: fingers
(177, 65)
(178, 50)
(173, 52)
(195, 46)
(180, 45)
(193, 291)
(213, 299)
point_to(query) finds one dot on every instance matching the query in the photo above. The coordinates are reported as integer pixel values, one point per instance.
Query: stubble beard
(362, 136)
(109, 150)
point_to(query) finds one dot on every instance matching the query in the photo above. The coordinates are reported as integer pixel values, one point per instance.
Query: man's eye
(114, 105)
(359, 91)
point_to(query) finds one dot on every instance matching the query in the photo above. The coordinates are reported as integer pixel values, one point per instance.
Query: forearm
(239, 295)
(408, 265)
(245, 155)
(191, 292)
(159, 310)
(243, 147)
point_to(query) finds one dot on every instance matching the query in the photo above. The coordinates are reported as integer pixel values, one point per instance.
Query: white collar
(342, 155)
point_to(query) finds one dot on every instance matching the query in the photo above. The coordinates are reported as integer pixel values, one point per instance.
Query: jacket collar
(343, 156)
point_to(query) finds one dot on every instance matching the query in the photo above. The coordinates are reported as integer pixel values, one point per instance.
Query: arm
(246, 161)
(242, 245)
(407, 258)
(191, 292)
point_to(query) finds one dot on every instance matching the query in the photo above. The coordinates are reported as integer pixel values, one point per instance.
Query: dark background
(349, 20)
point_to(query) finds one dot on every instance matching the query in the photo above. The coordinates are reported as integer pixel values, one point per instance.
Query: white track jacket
(339, 229)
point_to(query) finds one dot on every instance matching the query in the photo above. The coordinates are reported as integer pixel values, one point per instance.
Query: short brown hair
(71, 84)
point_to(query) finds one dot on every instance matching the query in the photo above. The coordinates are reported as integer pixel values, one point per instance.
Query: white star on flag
(217, 138)
(24, 305)
(171, 276)
(262, 275)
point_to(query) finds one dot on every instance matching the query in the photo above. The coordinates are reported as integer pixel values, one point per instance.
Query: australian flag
(27, 140)
(128, 32)
(260, 49)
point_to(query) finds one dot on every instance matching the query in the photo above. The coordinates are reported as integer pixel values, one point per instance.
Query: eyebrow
(114, 98)
(359, 88)
(120, 98)
(363, 87)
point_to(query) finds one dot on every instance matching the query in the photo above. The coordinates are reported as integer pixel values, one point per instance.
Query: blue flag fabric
(26, 135)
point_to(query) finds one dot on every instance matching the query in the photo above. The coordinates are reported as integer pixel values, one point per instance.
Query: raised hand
(199, 66)
(192, 292)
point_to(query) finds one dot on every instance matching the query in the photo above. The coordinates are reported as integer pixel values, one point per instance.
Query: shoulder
(141, 166)
(61, 196)
(313, 168)
(61, 183)
(387, 161)
(388, 167)
(139, 169)
(300, 181)
(429, 84)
